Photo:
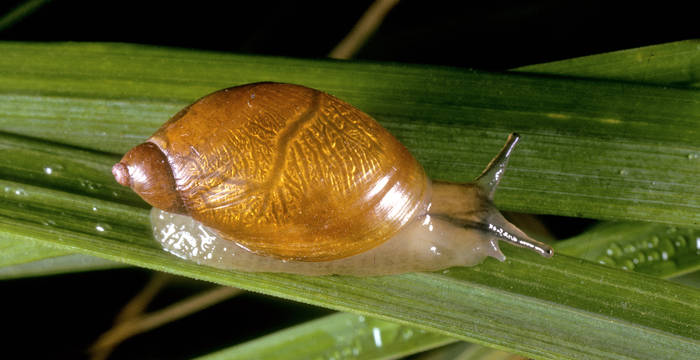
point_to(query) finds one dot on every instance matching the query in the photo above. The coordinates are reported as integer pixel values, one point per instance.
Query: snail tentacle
(495, 223)
(492, 174)
(503, 230)
(471, 206)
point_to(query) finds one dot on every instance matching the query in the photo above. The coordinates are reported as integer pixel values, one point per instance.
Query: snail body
(283, 178)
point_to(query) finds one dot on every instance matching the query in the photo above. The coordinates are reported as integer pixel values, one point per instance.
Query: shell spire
(146, 170)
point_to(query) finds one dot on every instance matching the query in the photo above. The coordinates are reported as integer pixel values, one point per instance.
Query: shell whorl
(145, 169)
(291, 172)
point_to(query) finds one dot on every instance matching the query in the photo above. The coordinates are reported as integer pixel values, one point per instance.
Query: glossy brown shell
(291, 172)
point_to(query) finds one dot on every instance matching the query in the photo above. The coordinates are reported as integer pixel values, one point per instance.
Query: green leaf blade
(496, 304)
(676, 64)
(654, 249)
(590, 148)
(605, 149)
(340, 335)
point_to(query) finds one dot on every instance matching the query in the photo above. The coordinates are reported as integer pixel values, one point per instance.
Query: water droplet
(406, 334)
(377, 335)
(606, 260)
(102, 227)
(693, 156)
(638, 258)
(20, 192)
(653, 242)
(681, 242)
(623, 172)
(52, 169)
(94, 208)
(666, 246)
(614, 250)
(628, 265)
(629, 248)
(653, 256)
(90, 185)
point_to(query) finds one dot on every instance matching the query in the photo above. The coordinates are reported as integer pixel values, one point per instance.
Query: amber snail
(277, 177)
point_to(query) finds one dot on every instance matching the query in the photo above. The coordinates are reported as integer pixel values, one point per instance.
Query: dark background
(60, 316)
(491, 35)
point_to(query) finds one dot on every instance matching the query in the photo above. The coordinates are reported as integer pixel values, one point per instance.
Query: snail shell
(292, 175)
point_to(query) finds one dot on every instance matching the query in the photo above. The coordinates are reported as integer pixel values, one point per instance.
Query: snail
(275, 177)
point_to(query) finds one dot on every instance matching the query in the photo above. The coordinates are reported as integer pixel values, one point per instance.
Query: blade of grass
(654, 249)
(649, 248)
(60, 167)
(691, 279)
(533, 306)
(673, 63)
(596, 149)
(54, 166)
(466, 351)
(337, 336)
(23, 10)
(15, 251)
(79, 210)
(336, 292)
(50, 264)
(676, 64)
(678, 59)
(26, 160)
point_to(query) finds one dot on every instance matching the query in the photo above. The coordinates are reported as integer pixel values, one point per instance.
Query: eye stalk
(145, 169)
(496, 223)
